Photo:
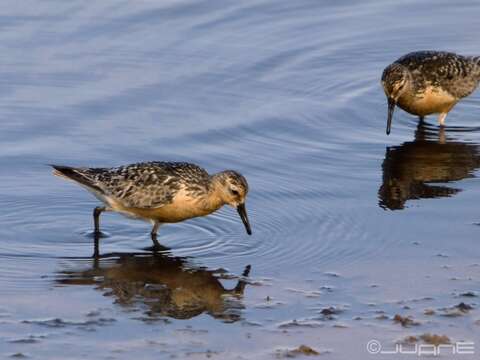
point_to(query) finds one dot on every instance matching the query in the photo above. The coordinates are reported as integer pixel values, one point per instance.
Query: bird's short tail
(63, 171)
(476, 59)
(76, 175)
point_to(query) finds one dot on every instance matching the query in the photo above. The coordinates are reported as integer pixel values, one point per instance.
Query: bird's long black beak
(243, 215)
(391, 107)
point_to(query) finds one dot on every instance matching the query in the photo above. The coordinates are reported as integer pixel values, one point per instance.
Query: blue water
(288, 94)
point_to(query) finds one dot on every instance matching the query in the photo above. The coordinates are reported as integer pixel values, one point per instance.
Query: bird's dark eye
(234, 192)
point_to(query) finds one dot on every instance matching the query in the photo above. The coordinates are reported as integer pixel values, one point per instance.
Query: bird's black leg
(96, 250)
(421, 119)
(96, 218)
(153, 234)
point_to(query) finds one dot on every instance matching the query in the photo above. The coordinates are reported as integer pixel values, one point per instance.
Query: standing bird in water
(160, 192)
(429, 82)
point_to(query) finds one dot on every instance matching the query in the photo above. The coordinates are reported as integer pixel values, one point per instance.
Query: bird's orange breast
(430, 101)
(181, 208)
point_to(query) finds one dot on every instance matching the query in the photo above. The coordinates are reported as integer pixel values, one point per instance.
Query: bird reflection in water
(411, 169)
(162, 284)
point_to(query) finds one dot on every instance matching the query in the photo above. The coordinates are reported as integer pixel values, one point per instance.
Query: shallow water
(288, 94)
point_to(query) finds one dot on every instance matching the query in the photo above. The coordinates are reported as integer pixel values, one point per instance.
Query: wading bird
(429, 82)
(160, 192)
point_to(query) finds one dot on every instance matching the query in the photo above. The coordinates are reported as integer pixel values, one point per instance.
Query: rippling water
(287, 93)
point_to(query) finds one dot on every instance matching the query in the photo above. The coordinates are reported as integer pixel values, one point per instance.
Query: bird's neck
(408, 95)
(214, 199)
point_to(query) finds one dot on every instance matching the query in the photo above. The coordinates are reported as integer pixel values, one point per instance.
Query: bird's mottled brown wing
(147, 185)
(454, 73)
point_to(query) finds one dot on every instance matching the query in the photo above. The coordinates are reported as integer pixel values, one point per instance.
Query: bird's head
(233, 191)
(395, 81)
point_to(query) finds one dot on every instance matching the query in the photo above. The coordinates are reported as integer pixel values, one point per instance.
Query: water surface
(351, 227)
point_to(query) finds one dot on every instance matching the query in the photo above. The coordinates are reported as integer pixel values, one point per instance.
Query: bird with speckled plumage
(160, 192)
(429, 82)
